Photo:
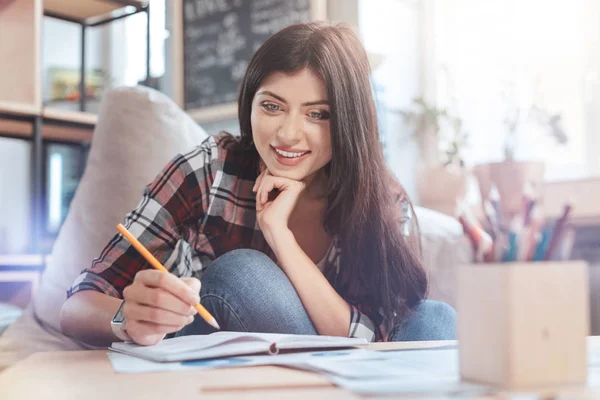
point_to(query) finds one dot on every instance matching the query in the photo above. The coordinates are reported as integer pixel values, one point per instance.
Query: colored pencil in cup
(558, 231)
(157, 265)
(491, 216)
(529, 202)
(480, 239)
(512, 252)
(495, 202)
(566, 245)
(534, 233)
(542, 246)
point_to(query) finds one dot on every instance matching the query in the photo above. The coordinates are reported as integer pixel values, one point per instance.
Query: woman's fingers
(168, 282)
(193, 283)
(159, 316)
(256, 189)
(147, 333)
(265, 189)
(259, 185)
(158, 298)
(258, 180)
(266, 183)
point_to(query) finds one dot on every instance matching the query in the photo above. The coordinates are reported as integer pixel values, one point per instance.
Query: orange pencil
(157, 265)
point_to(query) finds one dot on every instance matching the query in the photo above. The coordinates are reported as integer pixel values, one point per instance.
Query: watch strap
(119, 328)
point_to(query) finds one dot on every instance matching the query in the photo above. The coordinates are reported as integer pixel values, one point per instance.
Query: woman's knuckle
(161, 279)
(186, 310)
(155, 314)
(140, 275)
(156, 297)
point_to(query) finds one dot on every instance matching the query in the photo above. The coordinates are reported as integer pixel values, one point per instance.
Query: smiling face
(290, 124)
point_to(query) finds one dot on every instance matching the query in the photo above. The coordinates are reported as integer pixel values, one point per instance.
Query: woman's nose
(291, 130)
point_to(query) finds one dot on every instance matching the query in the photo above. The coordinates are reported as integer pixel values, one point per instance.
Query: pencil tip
(215, 324)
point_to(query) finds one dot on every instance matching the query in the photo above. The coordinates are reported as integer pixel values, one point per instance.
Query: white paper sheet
(419, 384)
(419, 372)
(400, 372)
(123, 363)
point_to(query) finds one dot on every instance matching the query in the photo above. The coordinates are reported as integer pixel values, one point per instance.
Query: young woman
(297, 226)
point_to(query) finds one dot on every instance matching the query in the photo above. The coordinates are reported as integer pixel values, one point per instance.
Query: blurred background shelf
(9, 108)
(20, 277)
(68, 116)
(58, 133)
(88, 11)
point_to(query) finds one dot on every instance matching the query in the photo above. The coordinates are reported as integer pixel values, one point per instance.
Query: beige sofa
(138, 131)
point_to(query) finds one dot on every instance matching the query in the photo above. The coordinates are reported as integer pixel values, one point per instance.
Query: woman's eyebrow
(308, 103)
(314, 103)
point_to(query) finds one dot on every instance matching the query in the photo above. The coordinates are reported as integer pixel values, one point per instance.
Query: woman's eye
(323, 115)
(270, 107)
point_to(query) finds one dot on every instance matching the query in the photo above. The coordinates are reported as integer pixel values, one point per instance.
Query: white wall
(592, 84)
(548, 59)
(343, 10)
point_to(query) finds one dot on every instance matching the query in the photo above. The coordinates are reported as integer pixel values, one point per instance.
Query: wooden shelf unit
(20, 52)
(20, 277)
(22, 114)
(68, 116)
(57, 125)
(18, 109)
(83, 10)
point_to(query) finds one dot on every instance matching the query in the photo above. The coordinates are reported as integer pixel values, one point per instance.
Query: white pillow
(445, 247)
(139, 130)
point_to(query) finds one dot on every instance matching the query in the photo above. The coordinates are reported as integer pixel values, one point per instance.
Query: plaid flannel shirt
(199, 207)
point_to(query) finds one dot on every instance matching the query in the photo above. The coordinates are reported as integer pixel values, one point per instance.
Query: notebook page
(229, 349)
(194, 344)
(317, 342)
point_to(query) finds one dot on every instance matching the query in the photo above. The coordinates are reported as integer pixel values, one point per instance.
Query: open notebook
(227, 344)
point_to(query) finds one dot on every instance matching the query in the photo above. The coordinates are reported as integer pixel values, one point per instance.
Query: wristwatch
(118, 324)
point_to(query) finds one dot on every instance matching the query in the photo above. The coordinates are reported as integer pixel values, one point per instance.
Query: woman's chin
(294, 175)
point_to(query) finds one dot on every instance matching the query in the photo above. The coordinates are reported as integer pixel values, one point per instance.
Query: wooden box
(523, 325)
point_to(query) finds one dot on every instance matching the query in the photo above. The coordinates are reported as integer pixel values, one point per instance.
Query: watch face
(118, 318)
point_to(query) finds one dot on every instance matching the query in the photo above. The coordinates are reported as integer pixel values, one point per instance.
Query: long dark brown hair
(378, 261)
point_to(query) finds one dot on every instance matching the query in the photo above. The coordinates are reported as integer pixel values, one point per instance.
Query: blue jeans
(246, 291)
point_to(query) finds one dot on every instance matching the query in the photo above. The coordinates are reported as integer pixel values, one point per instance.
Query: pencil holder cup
(523, 325)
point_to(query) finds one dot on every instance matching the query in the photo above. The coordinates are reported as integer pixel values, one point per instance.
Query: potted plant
(510, 176)
(441, 174)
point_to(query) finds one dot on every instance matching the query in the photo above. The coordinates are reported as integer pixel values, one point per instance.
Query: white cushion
(139, 130)
(445, 247)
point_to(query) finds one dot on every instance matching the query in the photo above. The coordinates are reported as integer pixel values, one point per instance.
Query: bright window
(494, 57)
(484, 59)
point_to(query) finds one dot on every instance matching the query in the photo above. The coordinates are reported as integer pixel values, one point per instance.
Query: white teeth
(290, 155)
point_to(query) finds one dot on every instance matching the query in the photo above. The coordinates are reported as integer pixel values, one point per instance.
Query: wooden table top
(88, 375)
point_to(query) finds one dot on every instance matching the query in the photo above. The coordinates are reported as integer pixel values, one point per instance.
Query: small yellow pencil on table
(157, 265)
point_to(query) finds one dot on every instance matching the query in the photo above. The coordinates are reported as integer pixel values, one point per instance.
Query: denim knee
(436, 310)
(430, 320)
(249, 292)
(238, 269)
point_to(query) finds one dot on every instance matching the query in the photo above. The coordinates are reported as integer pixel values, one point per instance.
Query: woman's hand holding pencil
(158, 302)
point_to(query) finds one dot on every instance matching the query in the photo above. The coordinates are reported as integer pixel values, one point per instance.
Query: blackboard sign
(220, 37)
